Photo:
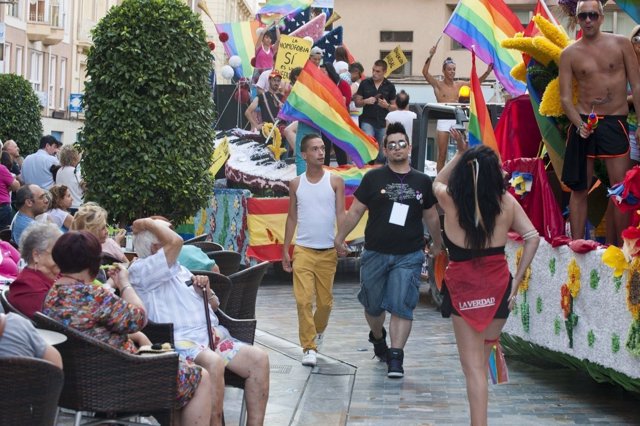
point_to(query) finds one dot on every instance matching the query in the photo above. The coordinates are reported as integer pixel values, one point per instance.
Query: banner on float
(395, 59)
(323, 3)
(219, 157)
(292, 52)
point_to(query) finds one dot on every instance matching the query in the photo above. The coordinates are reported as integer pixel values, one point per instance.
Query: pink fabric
(113, 249)
(583, 246)
(6, 179)
(10, 259)
(540, 203)
(264, 58)
(517, 131)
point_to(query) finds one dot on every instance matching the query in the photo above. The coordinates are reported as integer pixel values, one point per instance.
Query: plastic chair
(32, 389)
(201, 237)
(228, 261)
(207, 246)
(220, 284)
(112, 382)
(244, 291)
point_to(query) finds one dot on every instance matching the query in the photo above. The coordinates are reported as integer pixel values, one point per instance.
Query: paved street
(348, 387)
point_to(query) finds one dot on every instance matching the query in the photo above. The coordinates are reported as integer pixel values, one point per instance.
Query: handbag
(498, 371)
(156, 348)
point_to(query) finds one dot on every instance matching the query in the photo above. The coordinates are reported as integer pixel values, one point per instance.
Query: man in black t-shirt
(399, 200)
(377, 96)
(270, 102)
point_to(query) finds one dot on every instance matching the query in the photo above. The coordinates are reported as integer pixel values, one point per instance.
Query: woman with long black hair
(479, 290)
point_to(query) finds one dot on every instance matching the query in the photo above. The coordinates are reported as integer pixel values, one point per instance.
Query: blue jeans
(390, 282)
(6, 214)
(377, 133)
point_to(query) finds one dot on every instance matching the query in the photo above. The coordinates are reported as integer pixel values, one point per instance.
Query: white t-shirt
(341, 66)
(404, 117)
(70, 177)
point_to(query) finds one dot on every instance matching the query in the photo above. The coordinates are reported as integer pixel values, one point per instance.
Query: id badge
(399, 214)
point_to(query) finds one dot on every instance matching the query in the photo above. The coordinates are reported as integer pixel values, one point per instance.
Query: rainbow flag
(274, 10)
(483, 24)
(266, 220)
(480, 127)
(351, 175)
(242, 42)
(316, 101)
(542, 10)
(631, 7)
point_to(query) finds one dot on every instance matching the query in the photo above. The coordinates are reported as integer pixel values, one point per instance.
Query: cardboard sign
(292, 52)
(395, 59)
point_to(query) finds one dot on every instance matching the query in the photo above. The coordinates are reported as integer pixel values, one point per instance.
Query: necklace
(75, 279)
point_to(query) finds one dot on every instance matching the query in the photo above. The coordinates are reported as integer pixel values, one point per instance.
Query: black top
(461, 254)
(269, 106)
(375, 114)
(379, 190)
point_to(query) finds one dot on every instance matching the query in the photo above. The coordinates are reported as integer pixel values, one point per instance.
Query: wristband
(124, 288)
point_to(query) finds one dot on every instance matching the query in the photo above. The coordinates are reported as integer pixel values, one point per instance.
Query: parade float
(579, 303)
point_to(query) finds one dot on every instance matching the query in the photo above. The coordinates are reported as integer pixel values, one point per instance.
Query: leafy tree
(148, 134)
(19, 113)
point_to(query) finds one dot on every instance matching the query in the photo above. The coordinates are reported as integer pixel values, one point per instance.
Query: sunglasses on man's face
(593, 16)
(397, 145)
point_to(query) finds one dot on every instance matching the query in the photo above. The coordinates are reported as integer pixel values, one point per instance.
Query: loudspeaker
(228, 114)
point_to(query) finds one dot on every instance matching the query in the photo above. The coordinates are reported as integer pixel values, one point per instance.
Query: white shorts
(445, 125)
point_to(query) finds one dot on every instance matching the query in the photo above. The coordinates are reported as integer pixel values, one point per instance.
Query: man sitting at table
(169, 291)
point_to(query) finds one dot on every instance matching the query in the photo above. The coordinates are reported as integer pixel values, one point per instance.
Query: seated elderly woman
(28, 290)
(101, 314)
(160, 280)
(93, 218)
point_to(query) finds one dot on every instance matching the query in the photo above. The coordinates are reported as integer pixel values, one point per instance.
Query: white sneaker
(319, 339)
(309, 358)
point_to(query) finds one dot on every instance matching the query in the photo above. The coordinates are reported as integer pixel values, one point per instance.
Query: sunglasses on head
(582, 16)
(397, 145)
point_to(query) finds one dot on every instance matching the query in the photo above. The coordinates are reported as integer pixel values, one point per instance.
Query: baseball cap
(275, 74)
(317, 51)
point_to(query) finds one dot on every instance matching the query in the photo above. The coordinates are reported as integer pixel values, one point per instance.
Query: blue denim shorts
(390, 282)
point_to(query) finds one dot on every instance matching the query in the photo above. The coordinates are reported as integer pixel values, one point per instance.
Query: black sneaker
(394, 363)
(380, 347)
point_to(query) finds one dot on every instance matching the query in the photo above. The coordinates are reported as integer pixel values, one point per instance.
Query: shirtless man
(446, 91)
(602, 88)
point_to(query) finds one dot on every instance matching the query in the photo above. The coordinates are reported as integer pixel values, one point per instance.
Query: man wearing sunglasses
(601, 64)
(399, 200)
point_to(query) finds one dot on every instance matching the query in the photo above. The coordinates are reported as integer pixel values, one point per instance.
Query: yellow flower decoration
(573, 278)
(549, 49)
(524, 284)
(276, 139)
(525, 45)
(554, 33)
(633, 290)
(519, 72)
(615, 259)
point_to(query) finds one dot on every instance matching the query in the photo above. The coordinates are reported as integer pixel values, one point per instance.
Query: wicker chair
(228, 261)
(244, 291)
(220, 284)
(114, 383)
(243, 330)
(32, 388)
(198, 238)
(207, 246)
(8, 307)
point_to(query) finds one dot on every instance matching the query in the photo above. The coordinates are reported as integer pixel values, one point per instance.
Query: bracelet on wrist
(124, 288)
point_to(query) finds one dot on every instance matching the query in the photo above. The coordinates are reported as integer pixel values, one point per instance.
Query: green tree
(148, 134)
(19, 113)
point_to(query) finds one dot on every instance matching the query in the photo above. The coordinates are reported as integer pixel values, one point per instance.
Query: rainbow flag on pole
(480, 127)
(351, 175)
(316, 101)
(273, 10)
(484, 24)
(631, 7)
(242, 42)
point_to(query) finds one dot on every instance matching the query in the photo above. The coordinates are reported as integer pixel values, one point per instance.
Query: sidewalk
(348, 387)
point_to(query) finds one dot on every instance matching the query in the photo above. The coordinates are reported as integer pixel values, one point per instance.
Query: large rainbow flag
(480, 127)
(266, 220)
(242, 42)
(273, 10)
(483, 24)
(316, 101)
(631, 7)
(351, 175)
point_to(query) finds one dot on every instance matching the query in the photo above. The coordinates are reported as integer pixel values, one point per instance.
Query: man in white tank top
(316, 203)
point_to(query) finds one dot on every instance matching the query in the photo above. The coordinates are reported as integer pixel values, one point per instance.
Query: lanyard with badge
(399, 211)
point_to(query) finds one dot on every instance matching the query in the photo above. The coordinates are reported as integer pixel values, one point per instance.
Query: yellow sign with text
(395, 59)
(219, 156)
(292, 52)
